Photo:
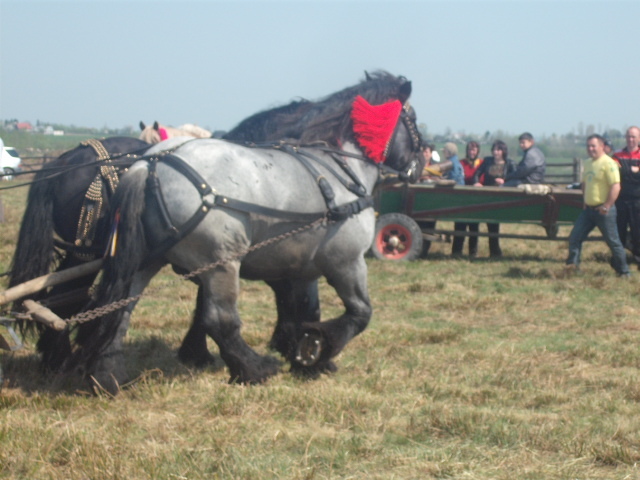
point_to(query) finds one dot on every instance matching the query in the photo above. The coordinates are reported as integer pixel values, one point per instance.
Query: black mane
(325, 120)
(264, 126)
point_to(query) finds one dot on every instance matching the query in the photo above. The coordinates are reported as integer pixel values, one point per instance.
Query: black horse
(65, 224)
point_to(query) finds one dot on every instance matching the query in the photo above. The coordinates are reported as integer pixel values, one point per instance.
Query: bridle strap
(414, 136)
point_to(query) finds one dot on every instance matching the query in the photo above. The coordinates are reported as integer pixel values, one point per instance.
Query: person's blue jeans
(588, 219)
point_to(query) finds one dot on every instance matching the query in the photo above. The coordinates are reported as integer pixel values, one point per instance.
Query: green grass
(469, 370)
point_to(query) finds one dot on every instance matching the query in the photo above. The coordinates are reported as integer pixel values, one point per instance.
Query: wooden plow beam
(49, 280)
(39, 312)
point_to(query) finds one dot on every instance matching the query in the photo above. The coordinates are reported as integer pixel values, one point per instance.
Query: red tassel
(373, 126)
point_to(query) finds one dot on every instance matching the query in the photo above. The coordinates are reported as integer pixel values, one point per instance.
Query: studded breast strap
(104, 183)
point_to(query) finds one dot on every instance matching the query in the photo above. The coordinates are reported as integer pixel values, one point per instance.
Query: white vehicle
(10, 162)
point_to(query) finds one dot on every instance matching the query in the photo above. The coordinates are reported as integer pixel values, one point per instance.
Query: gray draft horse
(56, 199)
(208, 202)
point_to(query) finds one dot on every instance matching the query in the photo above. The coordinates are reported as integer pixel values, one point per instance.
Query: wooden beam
(48, 280)
(44, 315)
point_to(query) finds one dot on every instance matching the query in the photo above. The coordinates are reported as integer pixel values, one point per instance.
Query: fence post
(577, 170)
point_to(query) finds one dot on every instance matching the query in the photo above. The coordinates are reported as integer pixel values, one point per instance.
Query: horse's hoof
(109, 374)
(313, 372)
(309, 348)
(256, 373)
(202, 361)
(106, 384)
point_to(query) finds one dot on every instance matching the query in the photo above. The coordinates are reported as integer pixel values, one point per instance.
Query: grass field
(469, 370)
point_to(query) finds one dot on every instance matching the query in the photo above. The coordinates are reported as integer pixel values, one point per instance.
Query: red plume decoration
(373, 126)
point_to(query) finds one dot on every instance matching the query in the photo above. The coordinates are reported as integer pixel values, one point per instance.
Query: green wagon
(406, 212)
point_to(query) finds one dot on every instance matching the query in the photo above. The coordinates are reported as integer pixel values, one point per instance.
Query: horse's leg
(108, 372)
(53, 345)
(193, 350)
(222, 322)
(319, 342)
(297, 302)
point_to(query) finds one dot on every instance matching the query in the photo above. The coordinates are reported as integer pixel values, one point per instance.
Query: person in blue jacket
(450, 151)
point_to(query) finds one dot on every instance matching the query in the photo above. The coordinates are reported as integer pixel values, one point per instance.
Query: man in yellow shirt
(600, 186)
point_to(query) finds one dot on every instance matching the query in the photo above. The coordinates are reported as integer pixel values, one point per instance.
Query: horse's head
(388, 134)
(152, 134)
(405, 149)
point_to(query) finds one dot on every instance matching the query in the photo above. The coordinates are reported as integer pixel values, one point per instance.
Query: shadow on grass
(518, 272)
(144, 358)
(440, 257)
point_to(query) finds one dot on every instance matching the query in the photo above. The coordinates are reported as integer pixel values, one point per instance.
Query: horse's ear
(367, 77)
(156, 126)
(405, 91)
(142, 125)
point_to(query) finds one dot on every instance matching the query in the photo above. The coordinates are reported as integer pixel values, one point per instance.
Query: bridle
(416, 142)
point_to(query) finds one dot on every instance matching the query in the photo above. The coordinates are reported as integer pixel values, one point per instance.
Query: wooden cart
(406, 212)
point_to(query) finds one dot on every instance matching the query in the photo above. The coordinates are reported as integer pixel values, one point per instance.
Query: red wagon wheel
(398, 237)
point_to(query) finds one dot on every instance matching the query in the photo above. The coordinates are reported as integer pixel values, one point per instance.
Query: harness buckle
(209, 200)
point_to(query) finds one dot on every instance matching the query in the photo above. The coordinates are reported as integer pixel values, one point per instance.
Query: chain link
(112, 307)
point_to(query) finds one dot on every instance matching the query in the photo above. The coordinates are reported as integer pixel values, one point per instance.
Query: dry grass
(469, 370)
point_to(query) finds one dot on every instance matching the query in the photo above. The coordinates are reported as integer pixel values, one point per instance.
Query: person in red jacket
(469, 166)
(628, 203)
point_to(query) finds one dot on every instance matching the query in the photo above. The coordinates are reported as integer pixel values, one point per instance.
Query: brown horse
(156, 132)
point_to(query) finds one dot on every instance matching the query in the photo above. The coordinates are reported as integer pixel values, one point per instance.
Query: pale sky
(476, 66)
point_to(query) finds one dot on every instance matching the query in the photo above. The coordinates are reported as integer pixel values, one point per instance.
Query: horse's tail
(34, 253)
(128, 251)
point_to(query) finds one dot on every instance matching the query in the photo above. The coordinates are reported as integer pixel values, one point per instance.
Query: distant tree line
(567, 146)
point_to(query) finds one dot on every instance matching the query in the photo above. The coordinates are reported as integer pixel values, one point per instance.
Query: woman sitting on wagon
(497, 166)
(470, 165)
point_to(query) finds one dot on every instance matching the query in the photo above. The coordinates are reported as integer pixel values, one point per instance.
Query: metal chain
(112, 307)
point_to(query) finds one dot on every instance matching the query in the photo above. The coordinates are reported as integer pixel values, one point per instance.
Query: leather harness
(210, 199)
(106, 178)
(102, 187)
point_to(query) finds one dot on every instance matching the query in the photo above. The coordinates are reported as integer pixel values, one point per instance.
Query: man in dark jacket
(628, 203)
(532, 166)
